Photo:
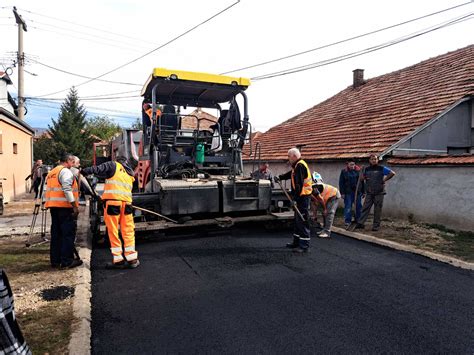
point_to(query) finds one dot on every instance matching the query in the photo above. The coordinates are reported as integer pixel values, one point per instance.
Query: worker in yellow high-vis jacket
(118, 210)
(301, 188)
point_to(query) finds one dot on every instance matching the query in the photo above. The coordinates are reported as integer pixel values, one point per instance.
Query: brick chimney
(358, 78)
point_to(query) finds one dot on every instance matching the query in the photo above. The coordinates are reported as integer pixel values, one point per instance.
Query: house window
(15, 148)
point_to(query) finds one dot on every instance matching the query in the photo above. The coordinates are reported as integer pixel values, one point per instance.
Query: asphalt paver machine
(193, 170)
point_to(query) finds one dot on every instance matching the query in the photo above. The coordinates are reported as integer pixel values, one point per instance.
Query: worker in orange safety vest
(118, 210)
(61, 197)
(327, 197)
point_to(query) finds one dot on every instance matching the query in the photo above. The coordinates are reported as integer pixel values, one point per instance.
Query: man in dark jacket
(374, 177)
(301, 188)
(347, 186)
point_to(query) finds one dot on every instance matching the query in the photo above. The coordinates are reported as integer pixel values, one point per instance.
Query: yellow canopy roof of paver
(178, 87)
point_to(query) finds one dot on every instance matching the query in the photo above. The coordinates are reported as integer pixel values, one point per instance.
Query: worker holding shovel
(117, 196)
(301, 182)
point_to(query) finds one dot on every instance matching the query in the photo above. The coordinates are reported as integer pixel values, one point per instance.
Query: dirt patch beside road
(43, 296)
(45, 321)
(430, 237)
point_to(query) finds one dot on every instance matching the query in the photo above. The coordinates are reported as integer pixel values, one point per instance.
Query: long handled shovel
(155, 213)
(292, 202)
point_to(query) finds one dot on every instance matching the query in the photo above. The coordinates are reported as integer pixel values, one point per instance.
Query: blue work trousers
(348, 201)
(63, 235)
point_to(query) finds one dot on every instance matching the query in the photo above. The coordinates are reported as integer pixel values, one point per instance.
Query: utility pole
(21, 63)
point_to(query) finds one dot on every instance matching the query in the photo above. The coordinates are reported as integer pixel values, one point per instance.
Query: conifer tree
(70, 132)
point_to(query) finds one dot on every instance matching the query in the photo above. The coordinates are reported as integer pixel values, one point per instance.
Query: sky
(91, 37)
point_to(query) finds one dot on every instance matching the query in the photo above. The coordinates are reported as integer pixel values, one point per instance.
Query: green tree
(137, 124)
(70, 132)
(102, 127)
(46, 149)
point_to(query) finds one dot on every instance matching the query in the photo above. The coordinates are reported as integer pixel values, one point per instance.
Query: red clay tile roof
(191, 123)
(467, 159)
(377, 114)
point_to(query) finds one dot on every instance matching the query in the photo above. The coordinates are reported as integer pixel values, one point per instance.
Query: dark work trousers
(301, 233)
(348, 201)
(63, 235)
(377, 202)
(36, 186)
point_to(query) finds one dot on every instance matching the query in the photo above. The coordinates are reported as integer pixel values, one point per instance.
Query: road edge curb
(402, 247)
(80, 342)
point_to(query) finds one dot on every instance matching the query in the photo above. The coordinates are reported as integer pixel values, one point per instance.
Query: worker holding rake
(301, 188)
(117, 197)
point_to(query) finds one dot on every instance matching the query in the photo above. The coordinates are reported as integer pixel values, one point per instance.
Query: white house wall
(434, 194)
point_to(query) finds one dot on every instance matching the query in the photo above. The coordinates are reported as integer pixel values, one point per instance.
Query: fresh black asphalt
(241, 291)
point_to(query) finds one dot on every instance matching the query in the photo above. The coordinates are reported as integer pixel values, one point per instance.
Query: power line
(128, 45)
(80, 25)
(45, 103)
(364, 51)
(152, 51)
(105, 99)
(81, 76)
(80, 38)
(347, 39)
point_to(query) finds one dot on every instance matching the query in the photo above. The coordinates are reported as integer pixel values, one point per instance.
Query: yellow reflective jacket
(307, 188)
(119, 187)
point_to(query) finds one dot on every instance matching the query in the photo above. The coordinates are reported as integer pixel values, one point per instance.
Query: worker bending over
(327, 197)
(301, 182)
(117, 197)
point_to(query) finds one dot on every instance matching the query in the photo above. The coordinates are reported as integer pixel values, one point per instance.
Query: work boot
(133, 264)
(375, 228)
(117, 266)
(72, 264)
(299, 250)
(291, 245)
(323, 235)
(359, 226)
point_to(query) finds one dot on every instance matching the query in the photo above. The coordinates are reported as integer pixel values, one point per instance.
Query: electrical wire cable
(150, 52)
(106, 42)
(364, 51)
(80, 25)
(77, 37)
(90, 35)
(81, 76)
(105, 99)
(347, 39)
(57, 105)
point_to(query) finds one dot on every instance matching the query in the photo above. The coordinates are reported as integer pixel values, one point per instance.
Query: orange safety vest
(149, 112)
(328, 192)
(119, 187)
(54, 194)
(308, 181)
